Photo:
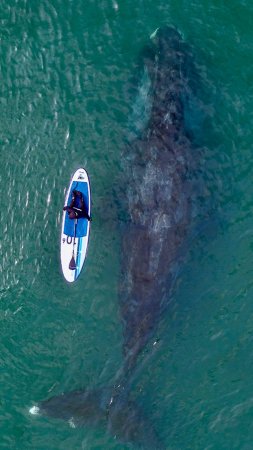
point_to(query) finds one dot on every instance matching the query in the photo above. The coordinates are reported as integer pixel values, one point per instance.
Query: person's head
(72, 215)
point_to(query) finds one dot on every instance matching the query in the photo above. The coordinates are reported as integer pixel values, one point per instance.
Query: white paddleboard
(75, 233)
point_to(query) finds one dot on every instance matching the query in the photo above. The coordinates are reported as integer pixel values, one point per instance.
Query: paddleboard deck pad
(75, 232)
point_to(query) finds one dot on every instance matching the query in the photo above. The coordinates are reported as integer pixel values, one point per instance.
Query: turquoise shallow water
(65, 102)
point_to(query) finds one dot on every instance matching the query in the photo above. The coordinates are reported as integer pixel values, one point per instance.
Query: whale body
(157, 165)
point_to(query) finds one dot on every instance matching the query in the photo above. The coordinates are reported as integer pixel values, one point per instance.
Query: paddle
(72, 264)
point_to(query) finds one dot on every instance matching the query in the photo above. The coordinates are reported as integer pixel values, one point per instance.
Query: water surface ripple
(66, 68)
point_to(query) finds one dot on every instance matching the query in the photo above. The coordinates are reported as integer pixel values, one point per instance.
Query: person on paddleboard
(75, 212)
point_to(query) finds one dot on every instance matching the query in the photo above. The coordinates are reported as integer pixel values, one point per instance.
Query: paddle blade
(72, 264)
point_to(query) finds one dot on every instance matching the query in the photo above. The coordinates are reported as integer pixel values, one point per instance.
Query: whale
(157, 165)
(158, 169)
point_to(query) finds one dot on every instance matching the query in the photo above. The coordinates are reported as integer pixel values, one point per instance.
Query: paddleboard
(75, 233)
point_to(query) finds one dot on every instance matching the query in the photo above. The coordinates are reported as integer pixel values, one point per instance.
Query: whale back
(158, 194)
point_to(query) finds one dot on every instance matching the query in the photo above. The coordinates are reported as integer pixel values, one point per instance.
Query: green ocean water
(65, 71)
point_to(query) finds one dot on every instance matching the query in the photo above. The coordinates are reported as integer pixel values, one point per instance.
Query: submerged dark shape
(158, 208)
(123, 418)
(159, 192)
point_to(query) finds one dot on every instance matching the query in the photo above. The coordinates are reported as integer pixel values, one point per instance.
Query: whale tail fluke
(77, 407)
(106, 407)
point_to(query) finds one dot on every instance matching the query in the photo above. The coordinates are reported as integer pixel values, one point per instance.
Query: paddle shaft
(72, 264)
(74, 236)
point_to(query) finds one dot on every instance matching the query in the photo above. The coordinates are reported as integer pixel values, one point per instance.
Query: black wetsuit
(79, 212)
